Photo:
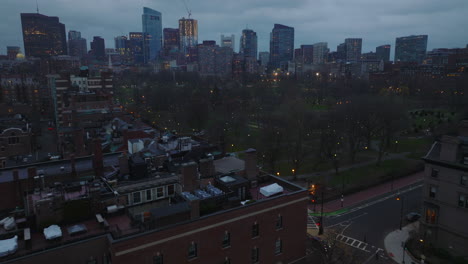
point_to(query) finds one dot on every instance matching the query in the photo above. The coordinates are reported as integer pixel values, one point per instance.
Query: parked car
(413, 216)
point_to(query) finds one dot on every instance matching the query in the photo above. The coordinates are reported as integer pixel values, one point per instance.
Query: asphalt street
(364, 226)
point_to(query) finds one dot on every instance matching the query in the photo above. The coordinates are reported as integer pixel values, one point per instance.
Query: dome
(20, 56)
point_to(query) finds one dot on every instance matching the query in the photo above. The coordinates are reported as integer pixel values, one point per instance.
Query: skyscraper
(43, 36)
(341, 52)
(307, 52)
(281, 46)
(188, 30)
(121, 44)
(152, 34)
(228, 41)
(383, 52)
(353, 48)
(411, 48)
(248, 43)
(98, 48)
(77, 45)
(320, 52)
(264, 57)
(171, 38)
(135, 47)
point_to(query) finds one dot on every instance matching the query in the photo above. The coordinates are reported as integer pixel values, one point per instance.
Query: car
(413, 216)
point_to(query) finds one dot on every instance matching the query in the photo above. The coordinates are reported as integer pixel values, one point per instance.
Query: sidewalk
(395, 240)
(370, 193)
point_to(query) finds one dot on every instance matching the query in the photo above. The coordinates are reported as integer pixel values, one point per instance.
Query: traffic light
(312, 189)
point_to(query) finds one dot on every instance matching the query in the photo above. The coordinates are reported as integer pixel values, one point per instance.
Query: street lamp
(401, 208)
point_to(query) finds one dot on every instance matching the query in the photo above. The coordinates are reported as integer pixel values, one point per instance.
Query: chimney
(194, 209)
(123, 163)
(251, 170)
(207, 168)
(189, 176)
(97, 158)
(449, 148)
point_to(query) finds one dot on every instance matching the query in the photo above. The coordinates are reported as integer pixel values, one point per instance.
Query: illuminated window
(431, 216)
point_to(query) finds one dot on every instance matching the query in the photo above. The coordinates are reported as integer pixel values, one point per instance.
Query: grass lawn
(374, 173)
(417, 146)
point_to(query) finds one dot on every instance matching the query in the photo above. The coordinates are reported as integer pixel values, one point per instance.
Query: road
(365, 225)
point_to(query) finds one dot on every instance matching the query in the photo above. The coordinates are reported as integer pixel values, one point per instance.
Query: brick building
(445, 194)
(245, 216)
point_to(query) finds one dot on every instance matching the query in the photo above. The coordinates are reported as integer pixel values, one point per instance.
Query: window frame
(158, 259)
(133, 197)
(255, 255)
(226, 240)
(279, 222)
(255, 230)
(173, 190)
(192, 250)
(464, 180)
(148, 191)
(432, 194)
(462, 203)
(435, 173)
(278, 246)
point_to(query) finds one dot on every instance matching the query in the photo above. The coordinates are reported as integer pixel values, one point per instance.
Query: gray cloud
(376, 21)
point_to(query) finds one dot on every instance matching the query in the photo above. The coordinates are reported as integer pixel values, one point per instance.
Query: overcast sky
(376, 21)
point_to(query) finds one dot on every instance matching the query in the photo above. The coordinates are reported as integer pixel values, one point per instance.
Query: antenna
(37, 7)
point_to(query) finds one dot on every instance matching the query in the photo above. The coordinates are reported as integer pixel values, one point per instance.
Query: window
(2, 148)
(226, 239)
(255, 255)
(278, 246)
(434, 173)
(158, 259)
(148, 195)
(159, 192)
(170, 190)
(431, 215)
(279, 222)
(462, 200)
(255, 230)
(432, 191)
(136, 197)
(464, 180)
(227, 260)
(192, 251)
(13, 140)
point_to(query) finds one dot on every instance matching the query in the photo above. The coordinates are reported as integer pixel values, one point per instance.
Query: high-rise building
(171, 39)
(281, 46)
(188, 30)
(121, 44)
(77, 45)
(43, 36)
(73, 34)
(12, 51)
(341, 52)
(264, 57)
(411, 48)
(353, 48)
(228, 41)
(307, 52)
(248, 43)
(383, 52)
(320, 52)
(152, 34)
(98, 48)
(135, 47)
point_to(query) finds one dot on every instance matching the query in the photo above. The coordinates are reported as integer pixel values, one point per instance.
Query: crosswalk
(353, 242)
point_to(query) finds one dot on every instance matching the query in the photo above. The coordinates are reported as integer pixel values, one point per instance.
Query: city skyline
(323, 23)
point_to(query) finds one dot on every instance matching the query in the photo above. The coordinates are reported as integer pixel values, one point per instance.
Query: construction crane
(187, 8)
